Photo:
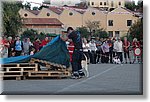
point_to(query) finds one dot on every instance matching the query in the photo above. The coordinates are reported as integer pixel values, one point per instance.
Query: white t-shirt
(118, 46)
(85, 47)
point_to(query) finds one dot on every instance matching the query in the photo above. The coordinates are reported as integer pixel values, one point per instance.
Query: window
(105, 3)
(70, 13)
(110, 33)
(93, 13)
(92, 3)
(48, 14)
(110, 23)
(119, 3)
(117, 34)
(101, 3)
(112, 4)
(129, 22)
(25, 14)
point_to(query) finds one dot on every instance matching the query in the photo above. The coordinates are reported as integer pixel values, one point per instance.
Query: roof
(36, 12)
(36, 21)
(56, 10)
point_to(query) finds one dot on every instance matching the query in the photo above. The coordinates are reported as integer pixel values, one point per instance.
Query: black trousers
(93, 57)
(18, 53)
(98, 52)
(119, 54)
(111, 56)
(76, 60)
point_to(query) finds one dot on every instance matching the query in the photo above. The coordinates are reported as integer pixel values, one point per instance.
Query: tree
(43, 6)
(29, 33)
(27, 6)
(12, 22)
(136, 30)
(92, 25)
(140, 6)
(101, 33)
(35, 8)
(130, 5)
(84, 31)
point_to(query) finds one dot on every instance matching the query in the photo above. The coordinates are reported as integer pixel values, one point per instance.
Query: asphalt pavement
(104, 79)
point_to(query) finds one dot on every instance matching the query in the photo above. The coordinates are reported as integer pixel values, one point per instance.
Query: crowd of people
(15, 46)
(103, 50)
(97, 50)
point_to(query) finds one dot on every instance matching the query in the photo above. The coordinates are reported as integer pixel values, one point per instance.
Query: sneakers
(75, 75)
(78, 75)
(81, 74)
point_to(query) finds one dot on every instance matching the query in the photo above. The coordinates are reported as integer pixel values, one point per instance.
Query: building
(45, 25)
(107, 4)
(119, 21)
(116, 22)
(62, 2)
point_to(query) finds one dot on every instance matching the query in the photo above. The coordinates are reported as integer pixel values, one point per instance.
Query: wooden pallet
(49, 65)
(17, 70)
(20, 67)
(49, 74)
(24, 71)
(17, 75)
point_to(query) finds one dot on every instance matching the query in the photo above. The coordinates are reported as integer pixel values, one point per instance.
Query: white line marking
(66, 88)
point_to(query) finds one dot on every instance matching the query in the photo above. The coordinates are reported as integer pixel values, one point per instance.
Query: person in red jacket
(136, 44)
(126, 45)
(44, 42)
(71, 49)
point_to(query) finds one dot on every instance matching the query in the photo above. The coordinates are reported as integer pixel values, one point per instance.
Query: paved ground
(104, 79)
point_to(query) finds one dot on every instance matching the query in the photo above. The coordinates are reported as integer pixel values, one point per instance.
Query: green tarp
(55, 51)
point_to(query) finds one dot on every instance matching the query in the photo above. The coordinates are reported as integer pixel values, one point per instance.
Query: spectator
(86, 48)
(126, 45)
(98, 51)
(44, 42)
(92, 48)
(105, 50)
(26, 46)
(114, 50)
(110, 43)
(18, 46)
(10, 48)
(118, 46)
(36, 45)
(29, 41)
(136, 44)
(4, 47)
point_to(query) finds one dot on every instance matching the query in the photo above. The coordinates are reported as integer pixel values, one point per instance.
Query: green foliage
(84, 31)
(43, 7)
(101, 33)
(12, 22)
(92, 25)
(30, 33)
(130, 5)
(35, 8)
(136, 30)
(27, 5)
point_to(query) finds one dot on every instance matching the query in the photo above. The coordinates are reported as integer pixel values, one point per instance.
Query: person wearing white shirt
(92, 48)
(118, 47)
(86, 47)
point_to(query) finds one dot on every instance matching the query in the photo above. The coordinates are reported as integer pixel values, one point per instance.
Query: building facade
(108, 4)
(116, 22)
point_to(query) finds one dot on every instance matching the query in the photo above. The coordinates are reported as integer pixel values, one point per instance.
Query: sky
(40, 1)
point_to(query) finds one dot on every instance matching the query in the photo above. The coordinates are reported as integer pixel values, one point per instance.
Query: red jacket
(136, 44)
(71, 49)
(44, 43)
